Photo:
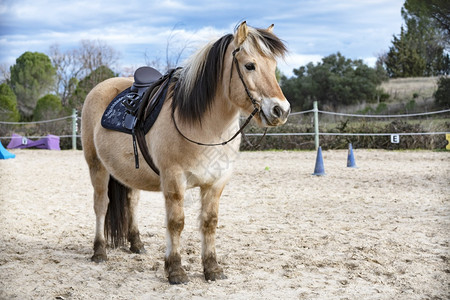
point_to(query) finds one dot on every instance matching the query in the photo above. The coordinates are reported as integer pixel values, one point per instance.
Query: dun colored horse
(232, 75)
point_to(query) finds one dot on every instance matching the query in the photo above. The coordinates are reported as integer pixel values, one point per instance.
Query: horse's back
(102, 94)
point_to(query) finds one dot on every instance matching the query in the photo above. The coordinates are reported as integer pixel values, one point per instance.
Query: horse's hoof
(138, 250)
(213, 276)
(99, 258)
(212, 270)
(174, 270)
(178, 277)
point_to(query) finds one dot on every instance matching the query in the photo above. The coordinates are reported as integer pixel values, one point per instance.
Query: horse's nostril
(277, 111)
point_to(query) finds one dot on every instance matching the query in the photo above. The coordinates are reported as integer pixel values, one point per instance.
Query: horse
(225, 78)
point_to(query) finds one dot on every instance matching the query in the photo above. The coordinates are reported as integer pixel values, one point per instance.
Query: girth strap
(151, 98)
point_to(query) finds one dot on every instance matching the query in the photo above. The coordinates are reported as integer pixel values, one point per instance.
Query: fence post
(316, 124)
(74, 129)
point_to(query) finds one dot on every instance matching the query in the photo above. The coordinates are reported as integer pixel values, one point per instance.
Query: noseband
(256, 105)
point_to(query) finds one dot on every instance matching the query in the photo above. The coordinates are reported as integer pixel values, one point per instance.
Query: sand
(380, 231)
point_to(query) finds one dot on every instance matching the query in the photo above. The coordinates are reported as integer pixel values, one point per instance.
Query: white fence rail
(316, 132)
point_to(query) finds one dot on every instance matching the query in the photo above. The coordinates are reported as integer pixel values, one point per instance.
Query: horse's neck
(222, 121)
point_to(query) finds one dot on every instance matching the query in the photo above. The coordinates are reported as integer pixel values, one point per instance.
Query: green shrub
(384, 97)
(47, 107)
(442, 95)
(381, 108)
(410, 106)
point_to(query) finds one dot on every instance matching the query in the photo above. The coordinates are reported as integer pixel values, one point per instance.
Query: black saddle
(143, 78)
(135, 110)
(121, 113)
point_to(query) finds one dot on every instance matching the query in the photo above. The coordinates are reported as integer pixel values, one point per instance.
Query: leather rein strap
(256, 105)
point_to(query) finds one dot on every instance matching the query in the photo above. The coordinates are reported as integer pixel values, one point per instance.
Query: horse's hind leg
(133, 232)
(99, 179)
(208, 223)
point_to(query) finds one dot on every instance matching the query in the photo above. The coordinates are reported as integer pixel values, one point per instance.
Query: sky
(140, 30)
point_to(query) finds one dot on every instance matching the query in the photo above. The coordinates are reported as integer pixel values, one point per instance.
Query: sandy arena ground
(381, 231)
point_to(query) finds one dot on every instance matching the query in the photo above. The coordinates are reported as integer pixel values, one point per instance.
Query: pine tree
(31, 77)
(419, 49)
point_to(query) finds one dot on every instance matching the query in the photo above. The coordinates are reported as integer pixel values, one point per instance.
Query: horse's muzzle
(274, 112)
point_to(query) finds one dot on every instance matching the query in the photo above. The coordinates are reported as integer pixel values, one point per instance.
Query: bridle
(256, 106)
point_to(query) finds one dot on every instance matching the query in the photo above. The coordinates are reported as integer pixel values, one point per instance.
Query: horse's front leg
(208, 223)
(174, 196)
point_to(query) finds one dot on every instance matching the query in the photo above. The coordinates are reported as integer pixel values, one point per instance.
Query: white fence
(315, 111)
(317, 133)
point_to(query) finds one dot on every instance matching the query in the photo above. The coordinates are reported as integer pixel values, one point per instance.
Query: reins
(256, 105)
(150, 101)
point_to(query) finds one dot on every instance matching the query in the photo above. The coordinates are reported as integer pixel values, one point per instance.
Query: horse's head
(253, 82)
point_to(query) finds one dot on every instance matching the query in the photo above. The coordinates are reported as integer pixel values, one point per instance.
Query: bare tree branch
(73, 65)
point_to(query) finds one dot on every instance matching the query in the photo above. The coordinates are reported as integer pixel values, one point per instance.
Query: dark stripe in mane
(193, 104)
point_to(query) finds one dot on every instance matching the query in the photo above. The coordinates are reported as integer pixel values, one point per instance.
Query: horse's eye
(250, 66)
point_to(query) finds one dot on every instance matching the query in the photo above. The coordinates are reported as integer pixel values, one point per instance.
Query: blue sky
(312, 29)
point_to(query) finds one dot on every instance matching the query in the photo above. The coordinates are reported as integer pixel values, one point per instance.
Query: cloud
(311, 29)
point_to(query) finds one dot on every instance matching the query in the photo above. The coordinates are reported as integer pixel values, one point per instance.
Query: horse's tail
(116, 221)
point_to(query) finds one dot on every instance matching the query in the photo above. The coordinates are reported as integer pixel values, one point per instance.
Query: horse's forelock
(264, 42)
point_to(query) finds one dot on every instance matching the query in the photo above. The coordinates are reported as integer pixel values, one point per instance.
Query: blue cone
(5, 154)
(319, 169)
(350, 158)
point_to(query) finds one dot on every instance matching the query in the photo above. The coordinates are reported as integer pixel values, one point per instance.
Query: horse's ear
(241, 34)
(270, 28)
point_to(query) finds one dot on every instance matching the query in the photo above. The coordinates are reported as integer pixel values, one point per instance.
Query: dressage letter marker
(395, 138)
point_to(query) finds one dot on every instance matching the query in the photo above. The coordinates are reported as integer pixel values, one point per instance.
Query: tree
(419, 49)
(435, 11)
(442, 94)
(173, 54)
(5, 75)
(32, 76)
(73, 65)
(47, 108)
(278, 74)
(94, 54)
(87, 84)
(175, 47)
(299, 88)
(67, 72)
(334, 81)
(403, 58)
(8, 104)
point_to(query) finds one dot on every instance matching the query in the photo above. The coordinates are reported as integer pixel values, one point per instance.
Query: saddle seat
(143, 78)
